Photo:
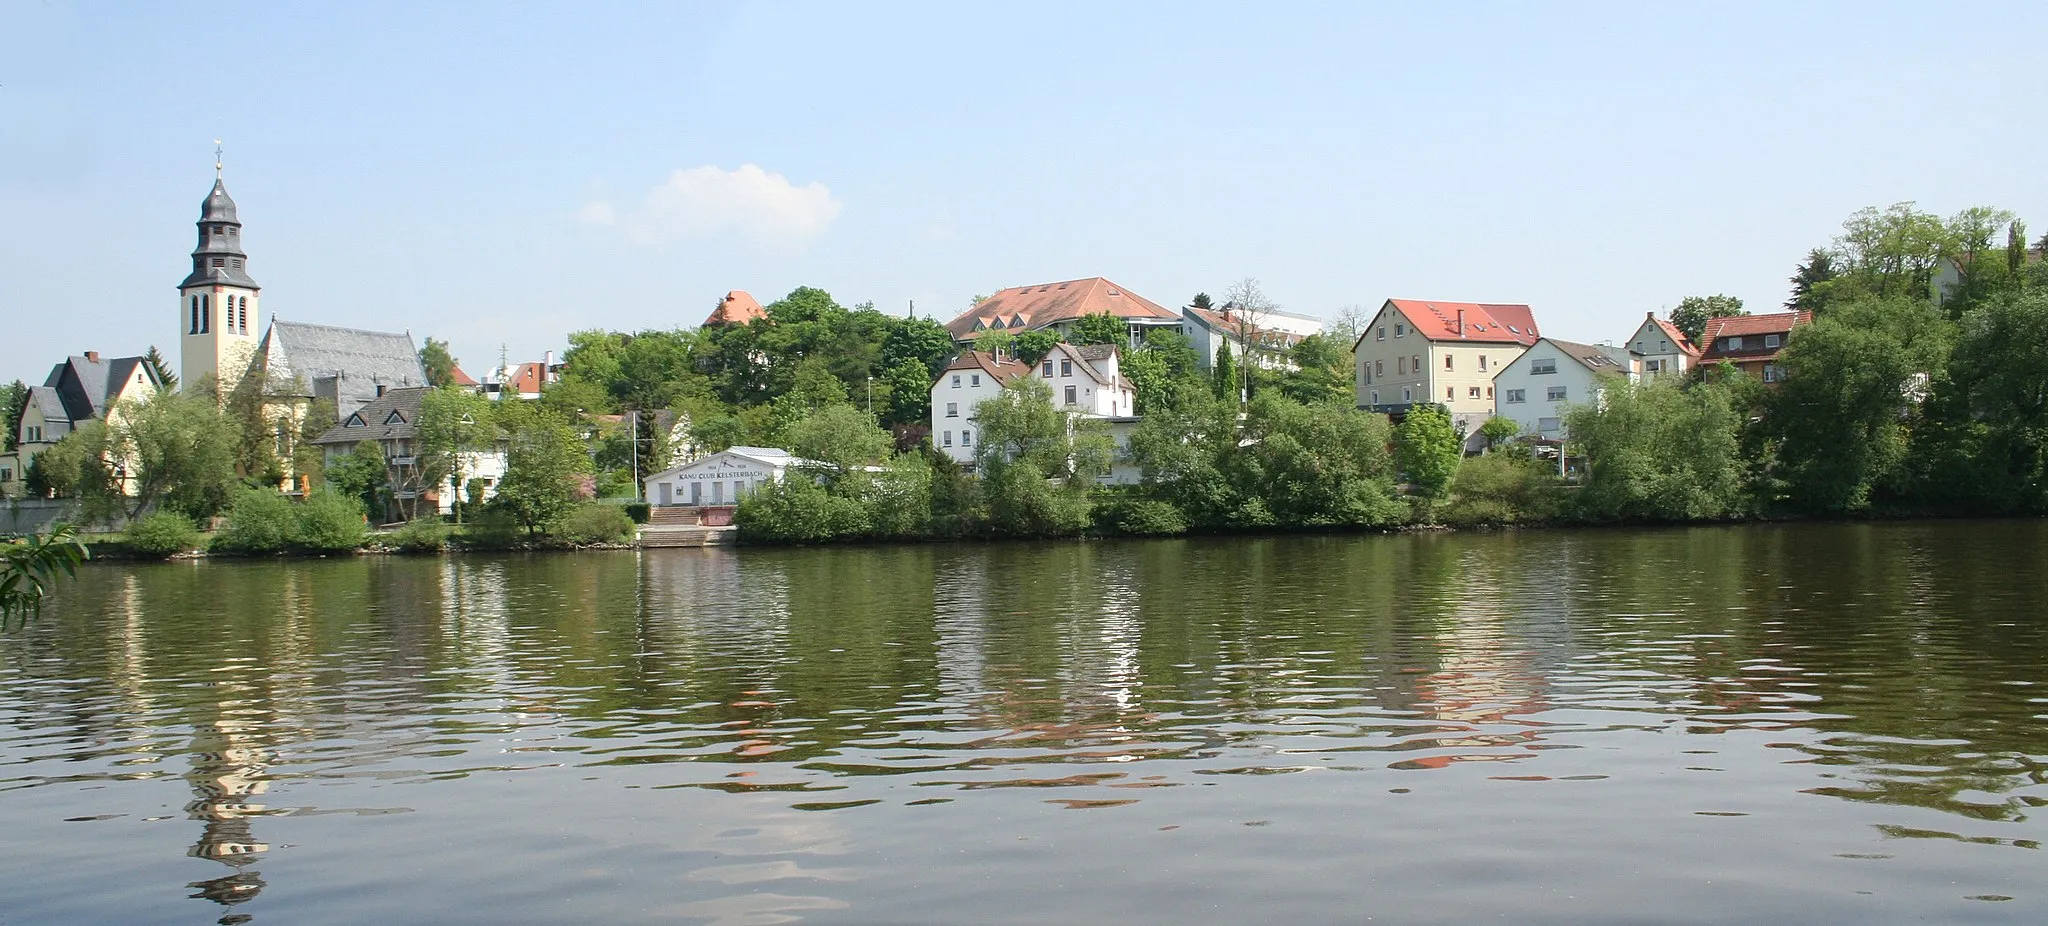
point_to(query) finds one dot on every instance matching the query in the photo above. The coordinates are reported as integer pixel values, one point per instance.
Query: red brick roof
(1746, 326)
(1021, 308)
(737, 308)
(1002, 370)
(1484, 321)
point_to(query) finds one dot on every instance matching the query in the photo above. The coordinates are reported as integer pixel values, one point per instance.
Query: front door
(668, 493)
(696, 493)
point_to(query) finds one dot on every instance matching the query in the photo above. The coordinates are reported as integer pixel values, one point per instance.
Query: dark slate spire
(219, 259)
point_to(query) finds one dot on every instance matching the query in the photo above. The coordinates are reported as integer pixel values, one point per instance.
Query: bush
(423, 536)
(596, 523)
(494, 528)
(1143, 518)
(163, 534)
(1503, 487)
(798, 511)
(639, 511)
(259, 521)
(329, 522)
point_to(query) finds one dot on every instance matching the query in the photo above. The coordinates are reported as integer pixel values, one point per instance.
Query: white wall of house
(1654, 352)
(954, 396)
(1533, 390)
(721, 478)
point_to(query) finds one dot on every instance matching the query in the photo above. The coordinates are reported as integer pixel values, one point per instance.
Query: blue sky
(506, 177)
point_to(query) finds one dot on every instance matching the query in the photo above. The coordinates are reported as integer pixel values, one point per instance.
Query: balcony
(406, 460)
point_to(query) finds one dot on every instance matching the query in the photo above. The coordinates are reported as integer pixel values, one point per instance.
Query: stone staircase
(679, 526)
(674, 516)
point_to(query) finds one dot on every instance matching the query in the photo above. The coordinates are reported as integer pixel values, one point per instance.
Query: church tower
(217, 311)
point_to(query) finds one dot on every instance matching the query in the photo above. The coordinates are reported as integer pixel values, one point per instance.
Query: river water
(1811, 724)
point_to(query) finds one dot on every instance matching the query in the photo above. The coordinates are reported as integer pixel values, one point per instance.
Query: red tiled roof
(1677, 337)
(1002, 370)
(1484, 321)
(463, 379)
(1780, 323)
(1226, 322)
(737, 308)
(526, 378)
(1023, 308)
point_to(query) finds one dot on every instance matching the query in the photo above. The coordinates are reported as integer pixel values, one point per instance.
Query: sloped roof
(309, 352)
(737, 308)
(1485, 322)
(1779, 323)
(1588, 356)
(376, 420)
(1677, 337)
(85, 386)
(464, 379)
(1002, 370)
(1042, 304)
(49, 403)
(1222, 320)
(525, 378)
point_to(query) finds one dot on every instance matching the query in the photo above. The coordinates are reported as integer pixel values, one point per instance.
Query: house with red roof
(1660, 349)
(1086, 381)
(1751, 343)
(1420, 351)
(1057, 306)
(737, 308)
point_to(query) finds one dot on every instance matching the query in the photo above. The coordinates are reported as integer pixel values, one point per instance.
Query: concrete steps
(684, 536)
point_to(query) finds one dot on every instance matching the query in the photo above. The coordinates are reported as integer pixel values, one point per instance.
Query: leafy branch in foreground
(31, 566)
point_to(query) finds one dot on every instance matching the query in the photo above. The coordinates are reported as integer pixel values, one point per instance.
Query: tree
(1032, 346)
(1429, 450)
(1223, 378)
(1099, 328)
(360, 474)
(170, 450)
(1694, 312)
(1982, 443)
(1499, 430)
(1313, 465)
(1892, 252)
(155, 360)
(13, 402)
(454, 425)
(438, 362)
(919, 340)
(1840, 414)
(541, 469)
(30, 567)
(1660, 453)
(1807, 278)
(1201, 301)
(1320, 371)
(1247, 307)
(841, 437)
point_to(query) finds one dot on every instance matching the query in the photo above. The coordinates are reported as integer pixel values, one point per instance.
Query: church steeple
(217, 303)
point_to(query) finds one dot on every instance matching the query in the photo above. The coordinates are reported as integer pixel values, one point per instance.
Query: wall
(26, 515)
(720, 480)
(1580, 385)
(947, 430)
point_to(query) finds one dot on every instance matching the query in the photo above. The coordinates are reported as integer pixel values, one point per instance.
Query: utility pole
(633, 449)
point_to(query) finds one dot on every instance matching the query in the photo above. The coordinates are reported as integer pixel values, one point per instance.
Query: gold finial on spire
(216, 159)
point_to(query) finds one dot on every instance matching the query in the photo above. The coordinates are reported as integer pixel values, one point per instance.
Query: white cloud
(703, 202)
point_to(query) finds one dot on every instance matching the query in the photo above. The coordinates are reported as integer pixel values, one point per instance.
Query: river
(1808, 723)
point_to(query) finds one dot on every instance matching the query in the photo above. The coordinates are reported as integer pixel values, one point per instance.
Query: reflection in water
(776, 736)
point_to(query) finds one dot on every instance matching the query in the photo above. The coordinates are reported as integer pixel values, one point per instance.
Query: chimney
(547, 366)
(1461, 323)
(92, 356)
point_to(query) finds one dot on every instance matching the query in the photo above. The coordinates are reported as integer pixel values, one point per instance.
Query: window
(195, 317)
(949, 438)
(1407, 393)
(1447, 362)
(1381, 335)
(1489, 392)
(966, 438)
(976, 378)
(1545, 365)
(220, 262)
(1548, 425)
(238, 263)
(1401, 365)
(1772, 340)
(205, 314)
(1450, 393)
(1653, 366)
(1517, 396)
(956, 380)
(1773, 373)
(1368, 376)
(1400, 330)
(1379, 367)
(1066, 368)
(1734, 343)
(1482, 363)
(1070, 395)
(1375, 397)
(1472, 393)
(1556, 394)
(1415, 363)
(1046, 370)
(952, 409)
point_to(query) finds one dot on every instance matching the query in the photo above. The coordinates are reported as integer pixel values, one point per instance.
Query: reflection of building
(228, 765)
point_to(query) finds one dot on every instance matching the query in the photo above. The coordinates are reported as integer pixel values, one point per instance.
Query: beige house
(1419, 351)
(81, 389)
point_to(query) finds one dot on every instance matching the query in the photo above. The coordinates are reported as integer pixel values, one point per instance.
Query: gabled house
(971, 378)
(1534, 388)
(737, 308)
(1268, 336)
(1421, 351)
(1057, 306)
(391, 421)
(1660, 349)
(82, 388)
(521, 380)
(721, 478)
(1085, 379)
(1750, 342)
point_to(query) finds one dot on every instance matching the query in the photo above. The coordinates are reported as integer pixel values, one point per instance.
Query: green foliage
(1099, 328)
(542, 467)
(171, 450)
(259, 521)
(454, 425)
(163, 534)
(1024, 502)
(798, 511)
(1429, 450)
(438, 362)
(597, 523)
(1661, 453)
(1981, 445)
(30, 567)
(638, 511)
(328, 522)
(360, 474)
(1141, 517)
(1499, 430)
(1694, 312)
(1839, 417)
(493, 528)
(1321, 372)
(909, 385)
(1032, 346)
(156, 362)
(1808, 279)
(898, 499)
(420, 536)
(841, 437)
(1223, 375)
(1316, 465)
(1503, 488)
(13, 402)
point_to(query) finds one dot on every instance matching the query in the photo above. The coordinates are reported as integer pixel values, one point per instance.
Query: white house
(1084, 378)
(1533, 390)
(1660, 349)
(1273, 333)
(721, 478)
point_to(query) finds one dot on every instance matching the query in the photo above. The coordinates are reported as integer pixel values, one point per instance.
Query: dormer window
(1771, 340)
(1733, 343)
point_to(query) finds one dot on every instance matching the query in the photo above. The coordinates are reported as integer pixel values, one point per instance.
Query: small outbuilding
(720, 478)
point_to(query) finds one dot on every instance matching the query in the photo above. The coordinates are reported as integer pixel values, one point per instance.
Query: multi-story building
(1259, 338)
(1057, 306)
(392, 423)
(1750, 342)
(1660, 349)
(1084, 379)
(1419, 351)
(82, 388)
(1534, 389)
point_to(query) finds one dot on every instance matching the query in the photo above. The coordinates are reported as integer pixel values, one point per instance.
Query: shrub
(1502, 488)
(163, 534)
(798, 511)
(597, 522)
(425, 535)
(1143, 518)
(638, 511)
(259, 521)
(329, 522)
(494, 528)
